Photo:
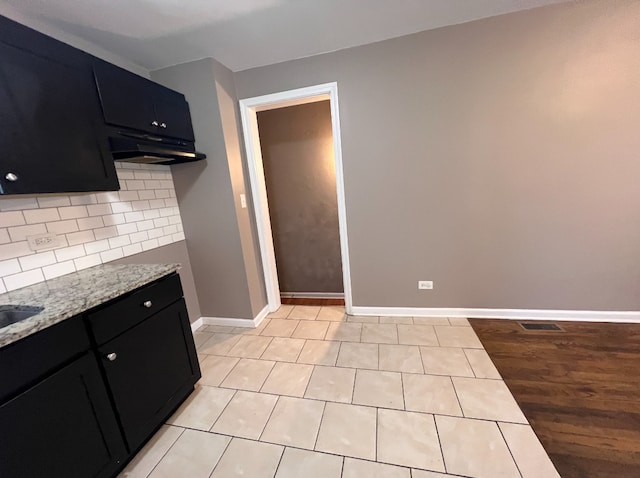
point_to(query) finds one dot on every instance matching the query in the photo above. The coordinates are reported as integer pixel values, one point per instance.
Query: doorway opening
(249, 108)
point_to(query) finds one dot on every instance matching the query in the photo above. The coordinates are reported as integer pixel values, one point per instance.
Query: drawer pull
(112, 356)
(147, 303)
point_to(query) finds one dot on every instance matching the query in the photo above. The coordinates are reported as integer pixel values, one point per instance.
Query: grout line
(315, 442)
(163, 455)
(269, 419)
(224, 409)
(509, 448)
(435, 424)
(221, 456)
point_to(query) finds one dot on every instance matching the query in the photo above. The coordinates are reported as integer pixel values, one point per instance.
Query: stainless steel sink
(10, 314)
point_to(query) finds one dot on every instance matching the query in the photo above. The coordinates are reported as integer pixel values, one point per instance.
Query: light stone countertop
(72, 294)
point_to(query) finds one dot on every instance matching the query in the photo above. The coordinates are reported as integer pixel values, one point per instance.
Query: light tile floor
(313, 393)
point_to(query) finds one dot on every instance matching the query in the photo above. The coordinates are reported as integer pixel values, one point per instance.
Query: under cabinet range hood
(143, 148)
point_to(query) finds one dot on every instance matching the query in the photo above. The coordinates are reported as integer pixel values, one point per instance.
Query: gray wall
(498, 158)
(299, 167)
(218, 231)
(172, 253)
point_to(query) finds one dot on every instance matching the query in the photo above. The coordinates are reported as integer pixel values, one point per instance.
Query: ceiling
(244, 34)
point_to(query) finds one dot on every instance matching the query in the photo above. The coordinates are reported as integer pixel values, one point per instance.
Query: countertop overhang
(72, 294)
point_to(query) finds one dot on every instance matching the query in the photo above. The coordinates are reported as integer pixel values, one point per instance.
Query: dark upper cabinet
(133, 102)
(52, 137)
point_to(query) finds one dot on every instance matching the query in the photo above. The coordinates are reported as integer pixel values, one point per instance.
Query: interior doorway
(249, 112)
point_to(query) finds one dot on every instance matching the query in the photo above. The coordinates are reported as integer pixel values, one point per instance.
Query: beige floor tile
(348, 430)
(248, 374)
(364, 319)
(147, 458)
(294, 422)
(219, 329)
(245, 458)
(288, 379)
(344, 331)
(457, 337)
(378, 389)
(430, 394)
(397, 320)
(252, 330)
(445, 361)
(219, 344)
(281, 313)
(367, 469)
(246, 415)
(309, 464)
(400, 358)
(250, 346)
(214, 369)
(304, 312)
(319, 352)
(481, 364)
(532, 460)
(459, 322)
(475, 448)
(332, 313)
(283, 350)
(280, 328)
(417, 335)
(202, 408)
(409, 439)
(333, 384)
(428, 474)
(311, 330)
(200, 337)
(358, 355)
(431, 321)
(380, 333)
(487, 399)
(194, 454)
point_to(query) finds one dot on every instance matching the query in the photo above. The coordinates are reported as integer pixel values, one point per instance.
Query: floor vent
(539, 326)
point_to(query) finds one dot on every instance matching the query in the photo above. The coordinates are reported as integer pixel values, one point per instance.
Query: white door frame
(249, 108)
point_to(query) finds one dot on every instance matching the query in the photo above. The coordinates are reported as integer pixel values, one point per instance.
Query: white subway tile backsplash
(35, 261)
(93, 227)
(34, 216)
(112, 254)
(59, 269)
(63, 227)
(54, 201)
(80, 237)
(20, 233)
(8, 267)
(99, 209)
(23, 279)
(90, 223)
(68, 253)
(87, 261)
(12, 218)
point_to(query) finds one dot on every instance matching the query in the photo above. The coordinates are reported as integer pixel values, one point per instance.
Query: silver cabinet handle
(154, 123)
(163, 125)
(147, 303)
(13, 177)
(112, 356)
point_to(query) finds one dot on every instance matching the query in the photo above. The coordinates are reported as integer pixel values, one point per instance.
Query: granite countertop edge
(72, 294)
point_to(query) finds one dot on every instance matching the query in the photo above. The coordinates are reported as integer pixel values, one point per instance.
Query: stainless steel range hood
(152, 150)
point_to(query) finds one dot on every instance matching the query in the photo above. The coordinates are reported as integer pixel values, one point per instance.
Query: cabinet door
(64, 426)
(52, 138)
(173, 114)
(154, 368)
(126, 98)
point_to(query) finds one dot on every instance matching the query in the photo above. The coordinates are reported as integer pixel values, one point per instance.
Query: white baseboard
(312, 295)
(197, 324)
(235, 322)
(528, 314)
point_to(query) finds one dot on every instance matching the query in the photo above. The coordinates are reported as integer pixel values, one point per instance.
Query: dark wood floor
(579, 389)
(321, 302)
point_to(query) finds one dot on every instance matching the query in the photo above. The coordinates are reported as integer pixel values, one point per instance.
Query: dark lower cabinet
(63, 426)
(150, 370)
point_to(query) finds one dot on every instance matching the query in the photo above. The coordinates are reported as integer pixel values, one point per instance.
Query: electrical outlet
(44, 241)
(425, 284)
(243, 201)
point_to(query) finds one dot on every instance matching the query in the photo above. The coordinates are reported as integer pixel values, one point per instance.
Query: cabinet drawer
(126, 312)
